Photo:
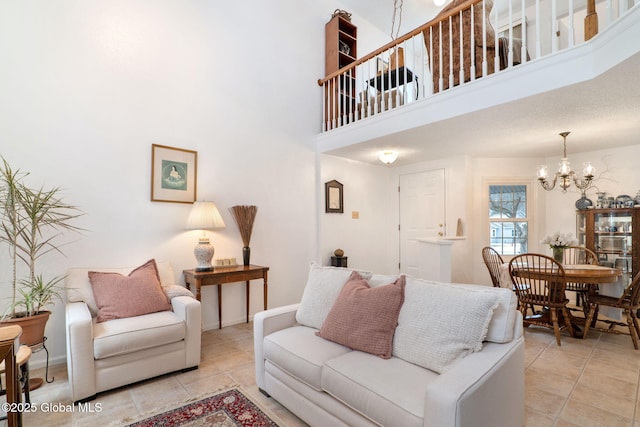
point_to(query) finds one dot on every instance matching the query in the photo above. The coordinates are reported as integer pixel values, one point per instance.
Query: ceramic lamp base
(204, 254)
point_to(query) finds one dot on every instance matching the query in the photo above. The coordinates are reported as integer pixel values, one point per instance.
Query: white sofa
(110, 354)
(325, 383)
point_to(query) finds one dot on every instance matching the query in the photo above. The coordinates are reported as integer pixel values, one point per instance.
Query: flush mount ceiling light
(439, 2)
(388, 156)
(565, 173)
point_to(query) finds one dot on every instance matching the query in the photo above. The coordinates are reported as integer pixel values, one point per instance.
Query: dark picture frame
(174, 174)
(333, 197)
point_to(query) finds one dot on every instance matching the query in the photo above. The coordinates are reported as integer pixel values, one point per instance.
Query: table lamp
(204, 216)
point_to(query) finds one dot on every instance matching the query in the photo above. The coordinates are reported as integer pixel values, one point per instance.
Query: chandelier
(565, 173)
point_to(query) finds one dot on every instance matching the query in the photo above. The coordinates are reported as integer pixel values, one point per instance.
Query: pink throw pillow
(119, 296)
(365, 318)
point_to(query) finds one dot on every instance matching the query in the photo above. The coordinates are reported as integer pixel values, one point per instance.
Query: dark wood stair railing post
(591, 20)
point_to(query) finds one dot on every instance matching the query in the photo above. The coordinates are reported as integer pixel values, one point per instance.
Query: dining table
(588, 274)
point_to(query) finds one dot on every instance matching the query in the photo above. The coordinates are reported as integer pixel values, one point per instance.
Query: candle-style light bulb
(543, 172)
(588, 171)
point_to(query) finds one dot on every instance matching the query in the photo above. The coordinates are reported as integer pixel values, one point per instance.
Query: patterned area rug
(227, 409)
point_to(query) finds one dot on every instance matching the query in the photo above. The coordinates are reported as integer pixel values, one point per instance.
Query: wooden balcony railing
(460, 45)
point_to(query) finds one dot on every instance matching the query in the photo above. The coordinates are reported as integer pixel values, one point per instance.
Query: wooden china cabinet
(613, 235)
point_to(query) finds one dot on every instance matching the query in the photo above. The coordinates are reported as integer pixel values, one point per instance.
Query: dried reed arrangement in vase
(244, 217)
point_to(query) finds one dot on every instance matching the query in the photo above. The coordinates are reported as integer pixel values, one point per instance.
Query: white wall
(87, 87)
(370, 242)
(457, 195)
(617, 173)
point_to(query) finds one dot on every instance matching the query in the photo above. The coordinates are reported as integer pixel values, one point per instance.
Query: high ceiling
(601, 113)
(380, 12)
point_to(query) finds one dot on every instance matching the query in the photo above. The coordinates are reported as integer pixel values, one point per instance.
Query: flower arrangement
(245, 216)
(559, 240)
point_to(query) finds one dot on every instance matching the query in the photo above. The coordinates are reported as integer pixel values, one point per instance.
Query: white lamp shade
(388, 156)
(204, 216)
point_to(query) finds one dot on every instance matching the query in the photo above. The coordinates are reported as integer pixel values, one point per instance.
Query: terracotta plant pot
(32, 327)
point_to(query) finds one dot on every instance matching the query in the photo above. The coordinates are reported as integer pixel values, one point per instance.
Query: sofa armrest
(190, 311)
(80, 363)
(265, 323)
(484, 388)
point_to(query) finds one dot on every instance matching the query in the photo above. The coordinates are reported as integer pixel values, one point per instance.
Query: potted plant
(31, 221)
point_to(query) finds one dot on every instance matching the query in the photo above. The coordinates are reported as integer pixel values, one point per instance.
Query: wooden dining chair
(494, 262)
(629, 302)
(539, 281)
(573, 255)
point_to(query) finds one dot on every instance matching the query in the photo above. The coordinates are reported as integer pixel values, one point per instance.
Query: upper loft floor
(523, 71)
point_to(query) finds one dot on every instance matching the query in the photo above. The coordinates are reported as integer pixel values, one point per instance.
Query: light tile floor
(591, 382)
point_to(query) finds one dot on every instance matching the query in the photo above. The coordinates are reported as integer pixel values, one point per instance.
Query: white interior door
(422, 214)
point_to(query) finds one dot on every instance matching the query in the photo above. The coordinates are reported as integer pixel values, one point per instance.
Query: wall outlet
(355, 214)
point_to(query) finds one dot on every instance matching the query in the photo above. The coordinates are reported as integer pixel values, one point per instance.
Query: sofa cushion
(504, 316)
(177, 291)
(323, 286)
(391, 392)
(122, 336)
(382, 279)
(300, 353)
(78, 286)
(365, 318)
(119, 296)
(439, 323)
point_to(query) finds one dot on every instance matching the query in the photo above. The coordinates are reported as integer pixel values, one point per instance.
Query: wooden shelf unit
(340, 50)
(339, 33)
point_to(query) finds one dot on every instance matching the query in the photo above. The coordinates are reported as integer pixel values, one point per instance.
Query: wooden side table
(8, 348)
(22, 361)
(223, 275)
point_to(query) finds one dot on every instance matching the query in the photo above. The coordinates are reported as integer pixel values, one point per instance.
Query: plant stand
(37, 382)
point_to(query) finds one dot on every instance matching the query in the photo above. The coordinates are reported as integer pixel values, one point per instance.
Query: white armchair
(110, 354)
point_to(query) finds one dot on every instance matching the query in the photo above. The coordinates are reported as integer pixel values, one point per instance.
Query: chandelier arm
(546, 184)
(582, 184)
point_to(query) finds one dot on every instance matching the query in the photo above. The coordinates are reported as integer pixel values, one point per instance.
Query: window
(516, 25)
(508, 221)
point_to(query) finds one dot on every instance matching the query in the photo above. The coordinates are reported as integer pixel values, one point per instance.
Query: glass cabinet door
(581, 228)
(613, 239)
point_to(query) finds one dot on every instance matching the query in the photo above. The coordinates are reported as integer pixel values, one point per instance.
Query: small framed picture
(334, 200)
(173, 174)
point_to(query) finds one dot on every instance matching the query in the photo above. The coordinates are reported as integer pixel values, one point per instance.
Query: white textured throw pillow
(177, 291)
(323, 286)
(440, 323)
